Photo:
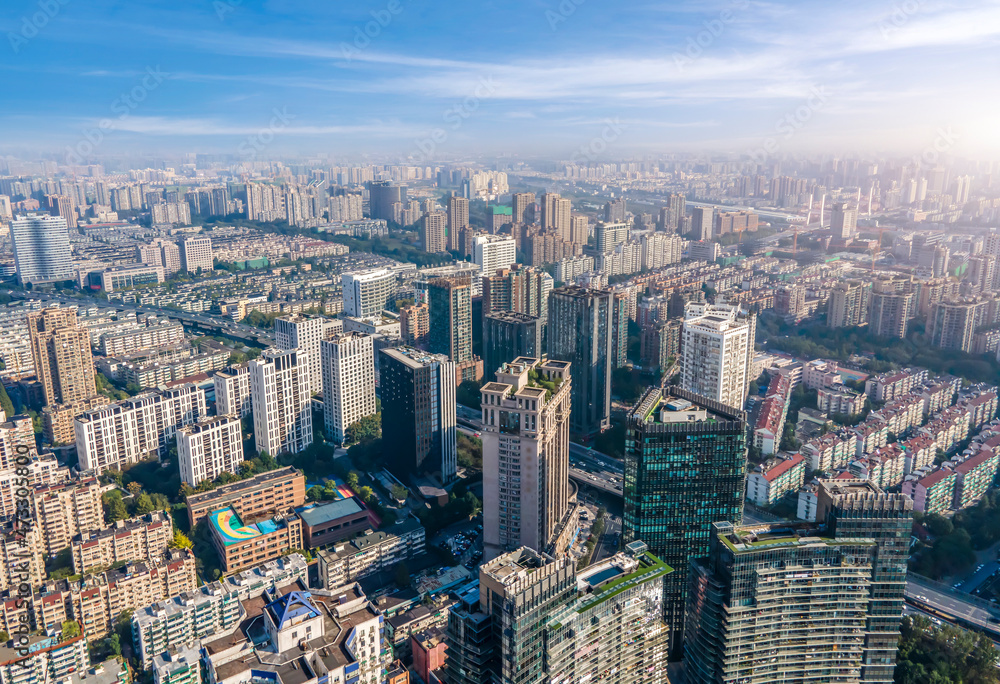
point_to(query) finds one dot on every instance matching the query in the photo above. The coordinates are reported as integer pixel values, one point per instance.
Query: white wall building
(348, 364)
(41, 249)
(281, 396)
(210, 447)
(491, 252)
(196, 252)
(232, 391)
(299, 331)
(366, 293)
(717, 343)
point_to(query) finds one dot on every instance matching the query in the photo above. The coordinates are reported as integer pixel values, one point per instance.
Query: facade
(493, 252)
(281, 397)
(125, 277)
(232, 391)
(848, 305)
(158, 334)
(179, 666)
(348, 561)
(41, 249)
(522, 289)
(242, 546)
(47, 659)
(433, 232)
(536, 620)
(526, 456)
(717, 344)
(67, 509)
(781, 602)
(366, 293)
(843, 220)
(332, 521)
(450, 304)
(415, 324)
(974, 476)
(685, 466)
(209, 610)
(580, 332)
(129, 431)
(418, 400)
(64, 364)
(458, 219)
(776, 478)
(508, 335)
(268, 493)
(932, 493)
(891, 313)
(137, 539)
(196, 252)
(300, 331)
(348, 363)
(210, 447)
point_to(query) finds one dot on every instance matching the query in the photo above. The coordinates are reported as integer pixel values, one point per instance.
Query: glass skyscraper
(685, 468)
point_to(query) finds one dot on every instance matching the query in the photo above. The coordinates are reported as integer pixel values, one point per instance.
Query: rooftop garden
(650, 567)
(537, 379)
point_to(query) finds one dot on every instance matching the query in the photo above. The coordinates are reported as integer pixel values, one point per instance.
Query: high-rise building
(382, 195)
(526, 457)
(282, 401)
(701, 223)
(614, 211)
(952, 323)
(41, 249)
(210, 447)
(196, 253)
(450, 304)
(717, 347)
(232, 391)
(160, 252)
(579, 229)
(535, 619)
(366, 293)
(458, 218)
(848, 304)
(672, 214)
(145, 426)
(803, 601)
(69, 508)
(349, 378)
(843, 220)
(508, 335)
(64, 363)
(301, 331)
(610, 235)
(522, 289)
(685, 468)
(580, 331)
(60, 205)
(414, 324)
(434, 232)
(619, 329)
(418, 402)
(891, 313)
(493, 252)
(523, 207)
(659, 250)
(557, 213)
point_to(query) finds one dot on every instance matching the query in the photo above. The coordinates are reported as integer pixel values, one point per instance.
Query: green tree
(4, 637)
(352, 481)
(366, 494)
(5, 403)
(399, 492)
(144, 505)
(364, 430)
(403, 578)
(70, 629)
(114, 507)
(181, 541)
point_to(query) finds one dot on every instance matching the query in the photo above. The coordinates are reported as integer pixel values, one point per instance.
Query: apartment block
(232, 391)
(932, 493)
(68, 509)
(21, 553)
(771, 481)
(158, 334)
(974, 476)
(210, 447)
(242, 545)
(348, 367)
(346, 562)
(196, 254)
(717, 347)
(145, 426)
(137, 539)
(281, 394)
(64, 364)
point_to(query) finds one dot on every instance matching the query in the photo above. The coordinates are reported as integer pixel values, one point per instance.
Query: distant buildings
(843, 220)
(580, 332)
(41, 249)
(281, 397)
(526, 457)
(434, 232)
(418, 402)
(685, 466)
(848, 304)
(508, 335)
(493, 252)
(196, 254)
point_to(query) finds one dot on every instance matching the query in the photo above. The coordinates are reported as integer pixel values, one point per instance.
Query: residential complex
(210, 447)
(717, 343)
(280, 393)
(41, 249)
(348, 363)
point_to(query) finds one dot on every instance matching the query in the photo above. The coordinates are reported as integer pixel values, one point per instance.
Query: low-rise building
(932, 493)
(137, 539)
(376, 551)
(242, 545)
(839, 400)
(332, 521)
(771, 481)
(272, 492)
(180, 666)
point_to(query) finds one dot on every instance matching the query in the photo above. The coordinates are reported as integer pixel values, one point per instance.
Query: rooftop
(320, 514)
(229, 527)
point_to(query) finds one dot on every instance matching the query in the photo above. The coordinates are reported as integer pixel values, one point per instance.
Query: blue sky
(436, 81)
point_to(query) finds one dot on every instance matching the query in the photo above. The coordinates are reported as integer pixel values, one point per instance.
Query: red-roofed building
(771, 481)
(974, 476)
(933, 493)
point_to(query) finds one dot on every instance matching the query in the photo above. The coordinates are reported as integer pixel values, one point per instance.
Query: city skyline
(534, 78)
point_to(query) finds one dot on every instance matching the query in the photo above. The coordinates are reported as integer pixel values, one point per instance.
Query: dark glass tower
(508, 335)
(685, 468)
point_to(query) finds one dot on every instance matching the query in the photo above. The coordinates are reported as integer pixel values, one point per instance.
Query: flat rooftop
(230, 528)
(320, 514)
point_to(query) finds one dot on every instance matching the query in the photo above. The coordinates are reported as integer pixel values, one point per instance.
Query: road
(963, 610)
